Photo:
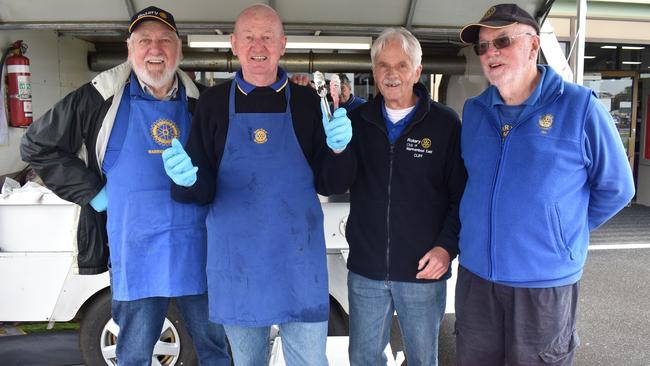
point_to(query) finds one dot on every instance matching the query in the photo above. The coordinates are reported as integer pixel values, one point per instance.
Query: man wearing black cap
(348, 100)
(100, 147)
(545, 167)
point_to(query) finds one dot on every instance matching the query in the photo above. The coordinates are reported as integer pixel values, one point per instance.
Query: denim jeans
(302, 344)
(420, 307)
(140, 322)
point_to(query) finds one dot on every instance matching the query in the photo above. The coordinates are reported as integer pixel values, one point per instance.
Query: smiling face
(154, 53)
(258, 42)
(511, 64)
(395, 75)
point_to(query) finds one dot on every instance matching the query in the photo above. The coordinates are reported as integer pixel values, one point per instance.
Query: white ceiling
(432, 19)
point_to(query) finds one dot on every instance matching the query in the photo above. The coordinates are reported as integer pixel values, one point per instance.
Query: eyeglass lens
(482, 47)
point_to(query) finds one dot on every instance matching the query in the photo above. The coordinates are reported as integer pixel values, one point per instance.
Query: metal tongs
(321, 89)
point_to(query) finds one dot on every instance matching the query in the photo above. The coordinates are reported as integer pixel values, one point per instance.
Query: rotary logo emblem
(426, 142)
(489, 12)
(545, 122)
(163, 131)
(260, 136)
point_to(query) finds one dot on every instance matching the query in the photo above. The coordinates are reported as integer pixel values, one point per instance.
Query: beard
(156, 79)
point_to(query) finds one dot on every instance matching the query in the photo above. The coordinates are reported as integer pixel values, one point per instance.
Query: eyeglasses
(481, 48)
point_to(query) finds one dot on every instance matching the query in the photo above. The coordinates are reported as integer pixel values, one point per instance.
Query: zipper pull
(505, 129)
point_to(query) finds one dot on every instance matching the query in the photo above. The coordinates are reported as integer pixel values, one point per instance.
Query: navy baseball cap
(152, 13)
(498, 16)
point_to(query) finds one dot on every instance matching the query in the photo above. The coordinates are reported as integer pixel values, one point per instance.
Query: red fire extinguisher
(19, 87)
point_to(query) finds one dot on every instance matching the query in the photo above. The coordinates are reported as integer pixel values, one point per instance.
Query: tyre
(98, 335)
(338, 322)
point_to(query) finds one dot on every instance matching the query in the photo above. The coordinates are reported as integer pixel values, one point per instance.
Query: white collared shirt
(171, 94)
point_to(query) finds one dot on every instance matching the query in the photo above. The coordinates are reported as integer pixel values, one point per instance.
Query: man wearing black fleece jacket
(403, 224)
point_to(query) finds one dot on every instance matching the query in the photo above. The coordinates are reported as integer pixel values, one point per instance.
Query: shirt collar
(406, 119)
(171, 94)
(246, 87)
(349, 102)
(495, 97)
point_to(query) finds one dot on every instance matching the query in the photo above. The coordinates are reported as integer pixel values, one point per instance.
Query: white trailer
(40, 281)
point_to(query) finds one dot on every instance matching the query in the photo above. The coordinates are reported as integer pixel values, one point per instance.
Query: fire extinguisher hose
(4, 57)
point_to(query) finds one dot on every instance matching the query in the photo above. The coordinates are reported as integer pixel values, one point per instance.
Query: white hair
(409, 43)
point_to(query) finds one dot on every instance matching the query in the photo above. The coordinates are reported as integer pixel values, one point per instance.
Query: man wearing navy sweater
(258, 153)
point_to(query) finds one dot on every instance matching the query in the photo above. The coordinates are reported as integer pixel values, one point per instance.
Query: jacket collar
(109, 82)
(372, 111)
(551, 85)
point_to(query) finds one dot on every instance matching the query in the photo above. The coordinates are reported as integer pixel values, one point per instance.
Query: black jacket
(66, 147)
(405, 197)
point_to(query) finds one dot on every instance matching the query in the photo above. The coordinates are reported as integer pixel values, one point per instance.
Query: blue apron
(266, 247)
(157, 246)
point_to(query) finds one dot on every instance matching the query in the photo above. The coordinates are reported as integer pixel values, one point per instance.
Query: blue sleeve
(610, 177)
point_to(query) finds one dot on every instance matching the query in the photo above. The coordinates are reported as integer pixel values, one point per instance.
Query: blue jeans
(302, 344)
(420, 307)
(140, 322)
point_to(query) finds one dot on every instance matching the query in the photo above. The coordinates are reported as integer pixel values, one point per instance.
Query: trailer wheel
(98, 335)
(338, 322)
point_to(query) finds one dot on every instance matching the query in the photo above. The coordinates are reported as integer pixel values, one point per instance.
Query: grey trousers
(502, 325)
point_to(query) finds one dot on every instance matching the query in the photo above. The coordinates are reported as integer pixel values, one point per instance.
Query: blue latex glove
(100, 201)
(178, 165)
(338, 130)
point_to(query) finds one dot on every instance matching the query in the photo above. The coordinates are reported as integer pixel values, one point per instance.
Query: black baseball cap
(152, 13)
(498, 16)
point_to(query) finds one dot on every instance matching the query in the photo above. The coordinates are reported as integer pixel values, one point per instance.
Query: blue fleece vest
(535, 191)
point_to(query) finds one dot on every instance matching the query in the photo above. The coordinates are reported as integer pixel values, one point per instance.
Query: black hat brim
(469, 33)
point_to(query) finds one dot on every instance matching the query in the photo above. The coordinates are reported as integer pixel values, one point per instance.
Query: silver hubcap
(165, 352)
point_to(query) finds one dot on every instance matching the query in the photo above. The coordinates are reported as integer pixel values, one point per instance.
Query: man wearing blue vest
(257, 154)
(545, 166)
(120, 123)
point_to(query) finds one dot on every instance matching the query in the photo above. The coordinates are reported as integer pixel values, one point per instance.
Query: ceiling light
(631, 62)
(208, 41)
(633, 47)
(329, 43)
(608, 47)
(589, 57)
(293, 42)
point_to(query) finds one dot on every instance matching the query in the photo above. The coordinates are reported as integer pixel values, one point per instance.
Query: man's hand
(302, 79)
(433, 264)
(338, 130)
(178, 165)
(100, 202)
